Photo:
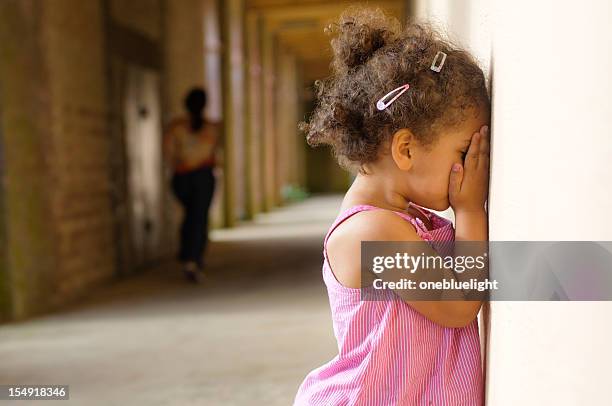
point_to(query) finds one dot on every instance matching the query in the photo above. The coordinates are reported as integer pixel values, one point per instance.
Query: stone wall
(56, 228)
(74, 55)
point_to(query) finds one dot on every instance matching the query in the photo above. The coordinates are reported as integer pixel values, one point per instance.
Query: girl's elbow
(470, 314)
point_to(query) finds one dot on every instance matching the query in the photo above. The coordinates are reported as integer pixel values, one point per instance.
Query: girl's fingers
(483, 159)
(454, 184)
(471, 158)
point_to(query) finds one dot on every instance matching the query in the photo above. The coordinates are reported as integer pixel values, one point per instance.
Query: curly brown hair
(373, 55)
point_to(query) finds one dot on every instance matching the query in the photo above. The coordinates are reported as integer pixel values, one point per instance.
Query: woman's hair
(195, 101)
(373, 55)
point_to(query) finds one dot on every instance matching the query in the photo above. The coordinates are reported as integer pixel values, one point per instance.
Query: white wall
(551, 180)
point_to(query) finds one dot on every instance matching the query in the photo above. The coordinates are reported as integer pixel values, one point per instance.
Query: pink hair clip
(381, 105)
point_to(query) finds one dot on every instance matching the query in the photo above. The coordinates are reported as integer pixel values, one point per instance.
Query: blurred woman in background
(190, 143)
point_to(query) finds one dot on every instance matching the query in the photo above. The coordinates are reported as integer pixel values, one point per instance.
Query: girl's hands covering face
(469, 183)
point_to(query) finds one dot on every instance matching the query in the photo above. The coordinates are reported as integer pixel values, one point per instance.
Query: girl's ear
(402, 148)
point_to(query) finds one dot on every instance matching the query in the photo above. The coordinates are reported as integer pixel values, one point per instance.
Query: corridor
(246, 336)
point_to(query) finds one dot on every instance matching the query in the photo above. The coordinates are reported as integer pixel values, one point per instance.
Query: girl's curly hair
(373, 55)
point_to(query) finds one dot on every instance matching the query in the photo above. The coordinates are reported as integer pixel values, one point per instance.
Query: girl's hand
(469, 183)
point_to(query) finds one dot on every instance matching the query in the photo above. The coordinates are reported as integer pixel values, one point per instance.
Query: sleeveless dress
(390, 354)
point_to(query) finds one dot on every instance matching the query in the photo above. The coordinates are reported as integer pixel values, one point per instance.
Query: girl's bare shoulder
(374, 225)
(344, 243)
(369, 225)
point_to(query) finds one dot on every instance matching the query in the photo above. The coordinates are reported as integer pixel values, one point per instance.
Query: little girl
(409, 111)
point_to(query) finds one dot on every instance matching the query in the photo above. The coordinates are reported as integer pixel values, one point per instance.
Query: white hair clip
(438, 68)
(381, 105)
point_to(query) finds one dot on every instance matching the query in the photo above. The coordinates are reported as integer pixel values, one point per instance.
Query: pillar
(269, 129)
(213, 82)
(235, 104)
(287, 101)
(27, 244)
(254, 132)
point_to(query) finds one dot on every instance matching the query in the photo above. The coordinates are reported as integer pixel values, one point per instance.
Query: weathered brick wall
(74, 54)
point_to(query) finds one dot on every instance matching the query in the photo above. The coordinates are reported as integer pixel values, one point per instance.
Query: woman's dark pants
(195, 191)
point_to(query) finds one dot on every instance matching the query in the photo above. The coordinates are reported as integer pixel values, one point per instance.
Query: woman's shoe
(191, 272)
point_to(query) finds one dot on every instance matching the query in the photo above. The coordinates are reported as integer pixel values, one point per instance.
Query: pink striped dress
(388, 353)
